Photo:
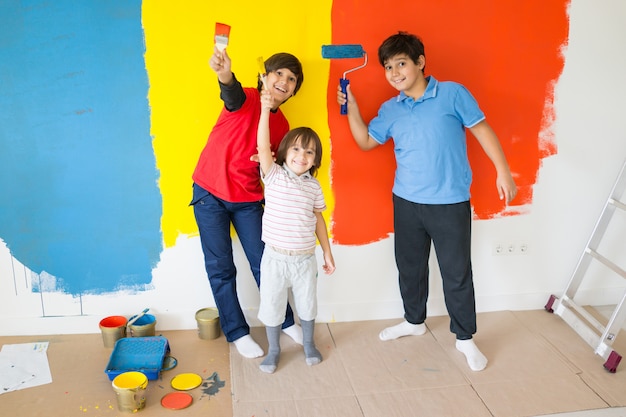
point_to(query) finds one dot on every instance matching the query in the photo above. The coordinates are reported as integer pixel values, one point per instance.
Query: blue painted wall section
(79, 197)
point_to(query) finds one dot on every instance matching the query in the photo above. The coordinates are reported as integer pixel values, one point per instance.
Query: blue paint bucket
(144, 326)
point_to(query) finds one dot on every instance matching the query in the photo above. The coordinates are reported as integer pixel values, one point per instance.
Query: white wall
(572, 188)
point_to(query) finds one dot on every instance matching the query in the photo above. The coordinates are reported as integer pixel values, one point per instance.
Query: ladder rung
(580, 327)
(569, 312)
(607, 262)
(568, 302)
(617, 203)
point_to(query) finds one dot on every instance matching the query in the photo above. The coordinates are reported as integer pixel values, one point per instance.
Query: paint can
(144, 326)
(113, 328)
(130, 389)
(208, 320)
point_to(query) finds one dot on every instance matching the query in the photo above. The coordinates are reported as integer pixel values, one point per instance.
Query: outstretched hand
(507, 190)
(267, 102)
(220, 62)
(329, 264)
(347, 97)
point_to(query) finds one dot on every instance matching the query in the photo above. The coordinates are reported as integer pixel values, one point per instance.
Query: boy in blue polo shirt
(431, 190)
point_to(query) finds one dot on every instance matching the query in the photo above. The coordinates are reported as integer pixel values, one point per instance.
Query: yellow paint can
(130, 389)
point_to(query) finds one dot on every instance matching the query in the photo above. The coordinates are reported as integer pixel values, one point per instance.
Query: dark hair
(305, 136)
(284, 60)
(401, 43)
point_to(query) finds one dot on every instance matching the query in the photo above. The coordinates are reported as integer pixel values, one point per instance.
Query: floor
(538, 367)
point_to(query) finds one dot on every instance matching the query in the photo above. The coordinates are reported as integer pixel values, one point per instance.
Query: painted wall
(80, 198)
(105, 107)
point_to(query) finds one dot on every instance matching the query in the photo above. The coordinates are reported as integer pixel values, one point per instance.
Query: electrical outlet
(510, 248)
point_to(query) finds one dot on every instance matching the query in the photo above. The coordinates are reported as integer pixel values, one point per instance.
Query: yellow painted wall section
(184, 94)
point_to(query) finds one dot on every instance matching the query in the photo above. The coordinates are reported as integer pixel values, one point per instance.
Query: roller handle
(343, 82)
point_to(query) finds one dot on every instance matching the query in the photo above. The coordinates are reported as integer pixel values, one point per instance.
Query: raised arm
(263, 133)
(221, 64)
(358, 127)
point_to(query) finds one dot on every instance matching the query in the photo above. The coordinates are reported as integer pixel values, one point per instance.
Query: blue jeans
(448, 227)
(214, 217)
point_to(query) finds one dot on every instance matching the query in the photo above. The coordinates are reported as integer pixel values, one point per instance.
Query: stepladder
(599, 334)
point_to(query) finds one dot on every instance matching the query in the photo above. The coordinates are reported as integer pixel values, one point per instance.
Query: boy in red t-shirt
(227, 188)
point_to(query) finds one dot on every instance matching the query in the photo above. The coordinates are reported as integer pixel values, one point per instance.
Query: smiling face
(281, 85)
(301, 150)
(300, 158)
(405, 75)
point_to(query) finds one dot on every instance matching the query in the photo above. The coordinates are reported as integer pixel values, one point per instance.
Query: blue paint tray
(143, 354)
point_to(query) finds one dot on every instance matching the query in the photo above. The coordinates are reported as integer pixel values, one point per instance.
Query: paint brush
(222, 31)
(137, 317)
(262, 71)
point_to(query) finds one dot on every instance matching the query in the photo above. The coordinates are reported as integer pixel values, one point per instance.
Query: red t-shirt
(224, 168)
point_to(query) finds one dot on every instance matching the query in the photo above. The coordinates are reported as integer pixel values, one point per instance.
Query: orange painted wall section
(508, 54)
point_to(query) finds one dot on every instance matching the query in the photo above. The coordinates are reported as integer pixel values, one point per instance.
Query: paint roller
(343, 52)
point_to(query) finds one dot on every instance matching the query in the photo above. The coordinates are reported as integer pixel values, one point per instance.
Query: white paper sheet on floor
(23, 366)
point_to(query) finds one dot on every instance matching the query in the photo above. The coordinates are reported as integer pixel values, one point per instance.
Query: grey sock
(270, 362)
(312, 355)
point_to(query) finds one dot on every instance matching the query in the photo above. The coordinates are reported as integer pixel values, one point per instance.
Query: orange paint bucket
(113, 328)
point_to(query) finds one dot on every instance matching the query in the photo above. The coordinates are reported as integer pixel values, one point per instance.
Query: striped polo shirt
(291, 201)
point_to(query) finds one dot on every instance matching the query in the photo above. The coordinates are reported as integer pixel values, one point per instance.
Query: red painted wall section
(508, 54)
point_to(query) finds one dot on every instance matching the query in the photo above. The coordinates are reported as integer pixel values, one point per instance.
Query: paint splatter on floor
(212, 385)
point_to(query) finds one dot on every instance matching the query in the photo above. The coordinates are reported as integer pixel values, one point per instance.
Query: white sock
(475, 359)
(247, 347)
(403, 329)
(295, 332)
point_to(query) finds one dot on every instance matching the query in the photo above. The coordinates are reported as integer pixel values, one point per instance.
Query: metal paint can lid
(207, 314)
(185, 382)
(176, 400)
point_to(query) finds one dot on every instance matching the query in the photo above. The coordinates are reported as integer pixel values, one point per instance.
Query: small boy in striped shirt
(292, 224)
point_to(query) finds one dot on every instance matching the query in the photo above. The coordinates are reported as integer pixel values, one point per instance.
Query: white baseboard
(183, 320)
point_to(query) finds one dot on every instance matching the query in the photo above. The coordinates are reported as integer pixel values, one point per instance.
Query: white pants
(279, 273)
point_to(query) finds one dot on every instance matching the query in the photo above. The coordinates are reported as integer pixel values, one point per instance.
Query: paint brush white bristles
(222, 31)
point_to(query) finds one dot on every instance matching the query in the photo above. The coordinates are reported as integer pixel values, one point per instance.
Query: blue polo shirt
(429, 142)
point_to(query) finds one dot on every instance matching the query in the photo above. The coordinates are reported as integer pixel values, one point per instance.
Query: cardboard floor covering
(537, 366)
